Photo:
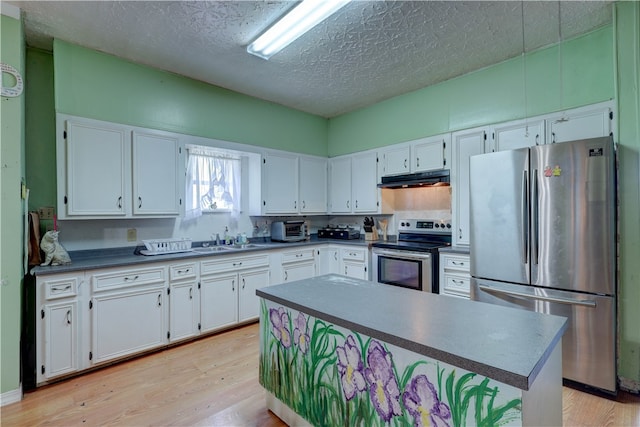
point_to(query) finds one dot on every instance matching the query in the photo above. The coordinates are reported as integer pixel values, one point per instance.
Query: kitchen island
(342, 351)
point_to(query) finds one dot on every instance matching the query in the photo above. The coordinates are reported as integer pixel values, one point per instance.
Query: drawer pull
(460, 263)
(237, 264)
(58, 289)
(188, 270)
(127, 278)
(457, 282)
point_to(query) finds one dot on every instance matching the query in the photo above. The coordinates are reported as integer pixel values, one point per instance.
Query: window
(213, 181)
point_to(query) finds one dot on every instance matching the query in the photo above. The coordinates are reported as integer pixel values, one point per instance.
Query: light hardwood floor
(214, 382)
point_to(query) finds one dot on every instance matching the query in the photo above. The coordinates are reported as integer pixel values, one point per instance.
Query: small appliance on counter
(288, 231)
(338, 232)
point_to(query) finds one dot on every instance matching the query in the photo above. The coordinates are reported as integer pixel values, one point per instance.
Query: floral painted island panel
(333, 376)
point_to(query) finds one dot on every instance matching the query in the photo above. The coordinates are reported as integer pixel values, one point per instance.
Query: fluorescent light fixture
(295, 23)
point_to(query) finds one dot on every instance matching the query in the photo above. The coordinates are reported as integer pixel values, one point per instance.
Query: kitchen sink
(212, 249)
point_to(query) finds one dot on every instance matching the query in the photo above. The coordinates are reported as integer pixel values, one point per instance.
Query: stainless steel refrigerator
(543, 238)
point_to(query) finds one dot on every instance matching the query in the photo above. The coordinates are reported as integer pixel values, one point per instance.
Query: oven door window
(400, 272)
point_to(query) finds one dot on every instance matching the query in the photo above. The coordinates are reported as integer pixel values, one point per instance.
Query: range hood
(414, 180)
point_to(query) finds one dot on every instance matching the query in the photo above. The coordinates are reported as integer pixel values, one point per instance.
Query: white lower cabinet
(228, 289)
(298, 264)
(59, 330)
(184, 301)
(328, 260)
(455, 279)
(128, 311)
(355, 262)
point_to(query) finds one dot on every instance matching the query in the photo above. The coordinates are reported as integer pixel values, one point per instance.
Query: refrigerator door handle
(535, 217)
(581, 302)
(524, 209)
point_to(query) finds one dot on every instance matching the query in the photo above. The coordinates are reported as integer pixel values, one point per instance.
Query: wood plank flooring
(214, 382)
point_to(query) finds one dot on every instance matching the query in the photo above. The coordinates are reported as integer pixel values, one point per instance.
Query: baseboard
(629, 385)
(11, 396)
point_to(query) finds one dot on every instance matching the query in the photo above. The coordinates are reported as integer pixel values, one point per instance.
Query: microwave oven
(288, 231)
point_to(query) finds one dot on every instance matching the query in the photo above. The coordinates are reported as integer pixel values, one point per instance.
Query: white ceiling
(367, 52)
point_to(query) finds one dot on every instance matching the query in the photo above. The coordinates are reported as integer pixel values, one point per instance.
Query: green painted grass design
(332, 377)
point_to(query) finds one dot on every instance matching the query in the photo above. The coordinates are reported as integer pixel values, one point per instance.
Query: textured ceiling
(367, 52)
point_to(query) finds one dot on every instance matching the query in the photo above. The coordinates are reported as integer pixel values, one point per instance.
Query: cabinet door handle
(460, 233)
(68, 317)
(418, 162)
(295, 204)
(120, 202)
(356, 204)
(159, 300)
(190, 293)
(139, 202)
(233, 285)
(345, 270)
(243, 283)
(405, 163)
(335, 256)
(538, 139)
(286, 276)
(553, 137)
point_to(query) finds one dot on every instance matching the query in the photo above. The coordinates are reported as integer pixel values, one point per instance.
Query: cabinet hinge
(65, 200)
(264, 203)
(444, 162)
(264, 161)
(365, 269)
(42, 369)
(485, 136)
(179, 150)
(198, 285)
(168, 334)
(180, 201)
(444, 145)
(42, 314)
(168, 291)
(377, 160)
(90, 304)
(64, 134)
(90, 355)
(610, 115)
(199, 326)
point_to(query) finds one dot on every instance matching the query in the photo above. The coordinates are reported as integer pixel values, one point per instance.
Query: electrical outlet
(46, 212)
(132, 235)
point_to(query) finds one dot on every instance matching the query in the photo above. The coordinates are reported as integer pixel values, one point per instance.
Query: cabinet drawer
(61, 287)
(456, 262)
(456, 285)
(297, 256)
(115, 279)
(182, 271)
(221, 264)
(353, 254)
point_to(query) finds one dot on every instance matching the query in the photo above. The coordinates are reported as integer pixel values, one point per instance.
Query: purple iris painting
(350, 368)
(300, 335)
(383, 386)
(280, 321)
(421, 400)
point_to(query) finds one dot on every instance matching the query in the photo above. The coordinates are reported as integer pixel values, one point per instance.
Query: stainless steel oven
(412, 260)
(403, 268)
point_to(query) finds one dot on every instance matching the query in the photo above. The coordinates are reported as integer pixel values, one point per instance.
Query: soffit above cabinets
(367, 52)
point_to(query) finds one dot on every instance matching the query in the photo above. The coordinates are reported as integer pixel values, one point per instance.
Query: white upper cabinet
(466, 143)
(280, 183)
(95, 170)
(520, 134)
(155, 174)
(430, 153)
(580, 123)
(293, 184)
(116, 171)
(313, 185)
(420, 155)
(364, 180)
(395, 160)
(340, 184)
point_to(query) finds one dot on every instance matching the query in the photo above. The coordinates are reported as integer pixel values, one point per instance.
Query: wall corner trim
(11, 396)
(10, 10)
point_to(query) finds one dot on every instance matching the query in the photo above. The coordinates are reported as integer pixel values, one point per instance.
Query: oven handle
(402, 254)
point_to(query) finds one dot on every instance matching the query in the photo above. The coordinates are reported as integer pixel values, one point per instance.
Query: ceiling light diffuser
(295, 23)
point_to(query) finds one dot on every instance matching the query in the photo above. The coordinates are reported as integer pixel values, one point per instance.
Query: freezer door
(573, 216)
(499, 216)
(588, 345)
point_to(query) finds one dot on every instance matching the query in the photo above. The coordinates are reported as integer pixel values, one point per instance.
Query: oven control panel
(430, 226)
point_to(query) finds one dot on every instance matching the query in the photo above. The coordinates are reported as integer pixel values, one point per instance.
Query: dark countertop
(462, 250)
(508, 345)
(127, 256)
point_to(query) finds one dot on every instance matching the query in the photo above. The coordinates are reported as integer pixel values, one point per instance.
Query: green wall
(628, 87)
(95, 85)
(11, 211)
(40, 130)
(491, 95)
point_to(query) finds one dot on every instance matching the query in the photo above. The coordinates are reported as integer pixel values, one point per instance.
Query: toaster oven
(288, 231)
